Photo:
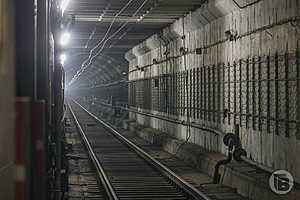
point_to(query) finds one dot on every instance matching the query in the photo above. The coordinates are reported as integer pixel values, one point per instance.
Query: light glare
(63, 58)
(64, 5)
(65, 38)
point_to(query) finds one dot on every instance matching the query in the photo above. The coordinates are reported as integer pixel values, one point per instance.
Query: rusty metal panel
(298, 92)
(287, 116)
(276, 95)
(214, 92)
(174, 94)
(268, 95)
(205, 92)
(185, 92)
(241, 92)
(223, 91)
(219, 93)
(194, 94)
(38, 127)
(7, 100)
(209, 110)
(198, 92)
(228, 93)
(177, 93)
(247, 95)
(253, 95)
(202, 95)
(1, 38)
(1, 28)
(260, 119)
(259, 92)
(190, 93)
(234, 93)
(155, 95)
(181, 93)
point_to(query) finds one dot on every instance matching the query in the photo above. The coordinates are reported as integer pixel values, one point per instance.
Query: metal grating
(261, 93)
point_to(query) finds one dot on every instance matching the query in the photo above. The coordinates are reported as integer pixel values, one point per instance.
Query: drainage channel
(129, 172)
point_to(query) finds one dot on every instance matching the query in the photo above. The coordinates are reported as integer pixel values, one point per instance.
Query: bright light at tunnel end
(63, 58)
(65, 38)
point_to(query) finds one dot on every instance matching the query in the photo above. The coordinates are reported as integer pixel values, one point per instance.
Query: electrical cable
(124, 24)
(245, 6)
(108, 30)
(90, 38)
(104, 42)
(188, 134)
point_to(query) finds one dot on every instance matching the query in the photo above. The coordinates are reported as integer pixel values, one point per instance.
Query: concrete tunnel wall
(262, 31)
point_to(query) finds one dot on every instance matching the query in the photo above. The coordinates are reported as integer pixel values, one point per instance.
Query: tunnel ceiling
(92, 20)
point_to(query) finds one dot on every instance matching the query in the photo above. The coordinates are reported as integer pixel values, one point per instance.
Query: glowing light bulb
(65, 38)
(63, 58)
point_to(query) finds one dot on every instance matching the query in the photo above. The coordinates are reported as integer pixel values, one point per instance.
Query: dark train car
(209, 89)
(7, 100)
(32, 100)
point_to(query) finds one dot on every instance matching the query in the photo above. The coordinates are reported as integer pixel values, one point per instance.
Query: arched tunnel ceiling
(92, 19)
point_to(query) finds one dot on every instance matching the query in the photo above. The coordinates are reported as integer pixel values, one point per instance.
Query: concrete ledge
(152, 136)
(246, 178)
(126, 123)
(118, 123)
(129, 134)
(135, 127)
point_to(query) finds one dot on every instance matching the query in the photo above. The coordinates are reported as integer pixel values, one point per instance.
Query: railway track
(124, 170)
(83, 182)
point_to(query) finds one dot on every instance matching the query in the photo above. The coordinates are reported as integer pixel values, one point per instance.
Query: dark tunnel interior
(150, 99)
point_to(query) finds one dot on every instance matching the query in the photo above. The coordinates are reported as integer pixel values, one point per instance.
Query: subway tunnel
(150, 99)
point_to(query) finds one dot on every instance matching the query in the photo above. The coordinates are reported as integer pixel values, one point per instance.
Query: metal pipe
(263, 28)
(245, 6)
(223, 162)
(218, 165)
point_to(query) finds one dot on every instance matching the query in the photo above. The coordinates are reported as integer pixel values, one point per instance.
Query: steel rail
(110, 191)
(191, 190)
(245, 159)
